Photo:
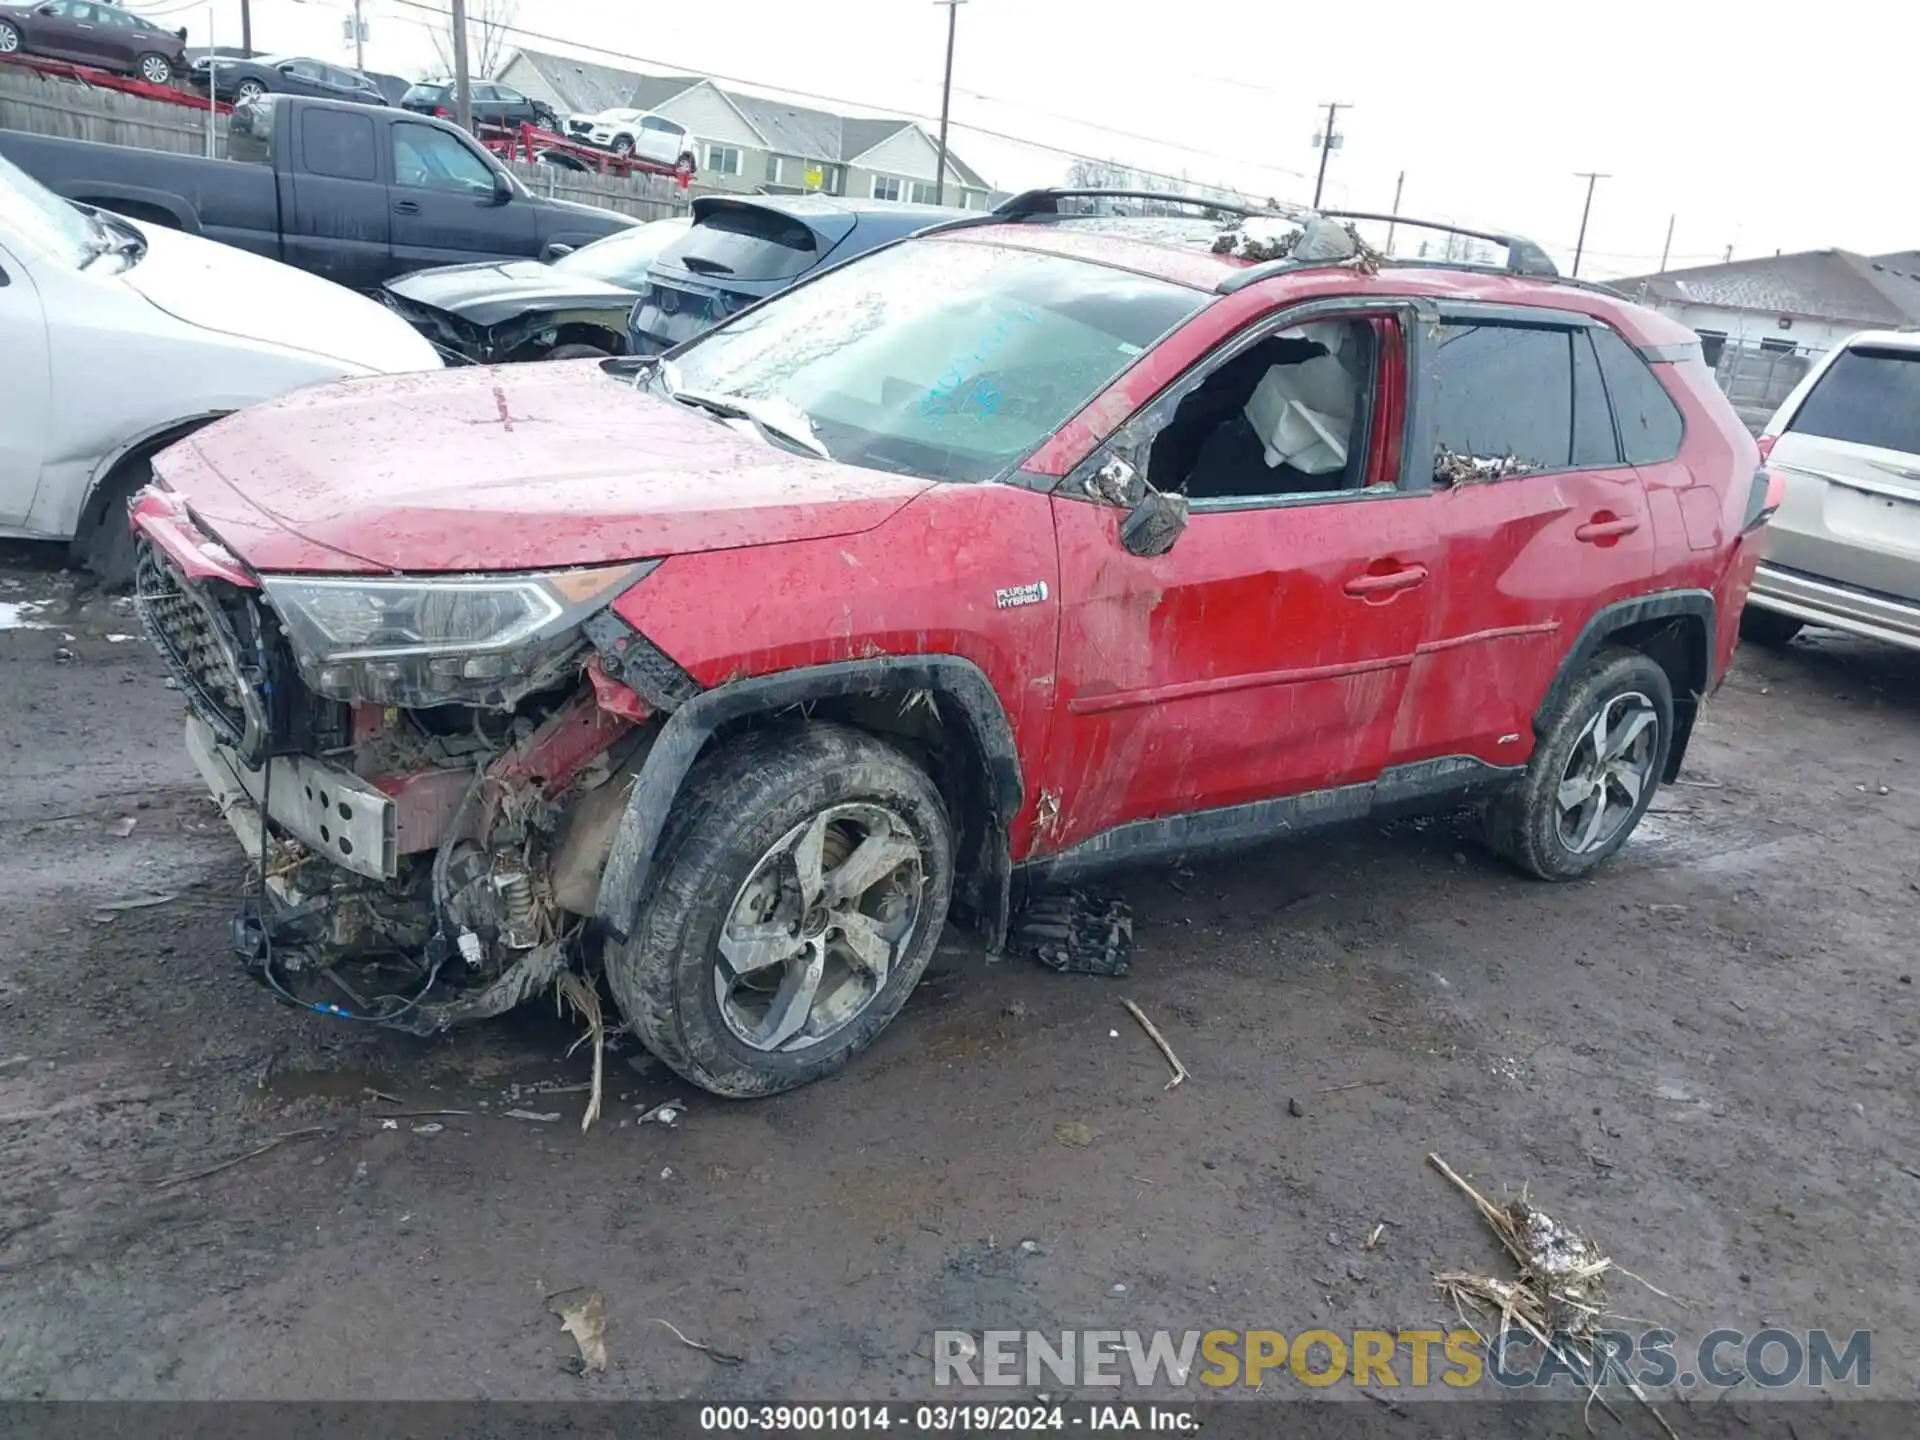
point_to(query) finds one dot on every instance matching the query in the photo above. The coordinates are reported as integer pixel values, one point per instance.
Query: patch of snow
(19, 614)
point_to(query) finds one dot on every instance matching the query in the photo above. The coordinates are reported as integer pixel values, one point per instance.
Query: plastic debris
(539, 1117)
(583, 1315)
(1076, 933)
(667, 1114)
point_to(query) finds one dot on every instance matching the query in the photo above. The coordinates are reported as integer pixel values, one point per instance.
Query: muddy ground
(1705, 1058)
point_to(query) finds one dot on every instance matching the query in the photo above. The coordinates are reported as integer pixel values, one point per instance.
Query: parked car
(352, 193)
(493, 104)
(107, 36)
(122, 337)
(639, 133)
(743, 248)
(1016, 550)
(243, 80)
(1844, 551)
(574, 308)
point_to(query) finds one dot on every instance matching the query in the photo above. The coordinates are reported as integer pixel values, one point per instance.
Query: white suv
(1844, 549)
(639, 133)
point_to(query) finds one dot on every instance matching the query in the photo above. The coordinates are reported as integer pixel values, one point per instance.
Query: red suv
(1032, 545)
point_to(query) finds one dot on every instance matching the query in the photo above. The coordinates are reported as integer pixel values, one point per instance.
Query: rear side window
(1594, 445)
(1503, 392)
(1650, 423)
(1869, 396)
(745, 244)
(422, 95)
(338, 144)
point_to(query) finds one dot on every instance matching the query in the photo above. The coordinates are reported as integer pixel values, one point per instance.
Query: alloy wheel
(1609, 771)
(816, 929)
(155, 71)
(248, 90)
(9, 40)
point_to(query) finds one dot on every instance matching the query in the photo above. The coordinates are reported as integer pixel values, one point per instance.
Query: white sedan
(121, 338)
(639, 133)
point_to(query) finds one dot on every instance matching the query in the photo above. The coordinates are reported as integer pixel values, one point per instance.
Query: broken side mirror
(1154, 524)
(556, 250)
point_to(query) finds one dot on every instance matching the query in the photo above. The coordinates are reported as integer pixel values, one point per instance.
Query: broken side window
(1502, 401)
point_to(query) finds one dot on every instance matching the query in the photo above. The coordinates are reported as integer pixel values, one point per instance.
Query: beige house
(752, 144)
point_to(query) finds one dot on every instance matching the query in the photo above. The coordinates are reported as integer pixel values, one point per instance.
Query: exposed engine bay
(420, 865)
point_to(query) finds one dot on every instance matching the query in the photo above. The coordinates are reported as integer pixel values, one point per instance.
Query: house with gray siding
(752, 144)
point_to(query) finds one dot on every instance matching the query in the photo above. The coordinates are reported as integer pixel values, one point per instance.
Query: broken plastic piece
(1076, 933)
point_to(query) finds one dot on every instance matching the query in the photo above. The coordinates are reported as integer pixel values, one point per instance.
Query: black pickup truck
(347, 191)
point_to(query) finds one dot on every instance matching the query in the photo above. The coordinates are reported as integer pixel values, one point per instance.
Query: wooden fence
(45, 105)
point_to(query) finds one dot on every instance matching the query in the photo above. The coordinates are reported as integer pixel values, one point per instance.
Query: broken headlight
(457, 639)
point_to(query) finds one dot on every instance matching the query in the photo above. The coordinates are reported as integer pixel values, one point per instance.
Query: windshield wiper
(774, 419)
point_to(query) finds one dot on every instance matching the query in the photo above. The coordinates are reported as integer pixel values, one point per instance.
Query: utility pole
(946, 100)
(1667, 249)
(1592, 177)
(246, 29)
(1327, 141)
(359, 38)
(1398, 185)
(463, 87)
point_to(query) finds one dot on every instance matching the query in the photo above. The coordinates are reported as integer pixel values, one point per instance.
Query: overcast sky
(1760, 127)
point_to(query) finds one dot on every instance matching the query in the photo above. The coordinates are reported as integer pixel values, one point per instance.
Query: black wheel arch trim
(1609, 621)
(626, 879)
(108, 195)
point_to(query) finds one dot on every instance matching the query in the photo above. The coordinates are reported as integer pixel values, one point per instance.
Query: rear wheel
(1768, 627)
(9, 38)
(248, 90)
(156, 69)
(802, 885)
(1601, 754)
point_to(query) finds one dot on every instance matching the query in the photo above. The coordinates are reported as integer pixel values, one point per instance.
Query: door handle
(1365, 586)
(406, 207)
(1597, 529)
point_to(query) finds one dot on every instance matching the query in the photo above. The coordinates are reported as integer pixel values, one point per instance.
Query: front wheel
(1601, 754)
(802, 885)
(248, 90)
(623, 145)
(156, 69)
(9, 38)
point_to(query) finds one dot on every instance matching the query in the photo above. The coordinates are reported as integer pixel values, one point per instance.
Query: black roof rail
(1523, 256)
(1046, 201)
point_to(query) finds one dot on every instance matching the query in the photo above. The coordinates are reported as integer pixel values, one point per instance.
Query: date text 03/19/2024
(943, 1419)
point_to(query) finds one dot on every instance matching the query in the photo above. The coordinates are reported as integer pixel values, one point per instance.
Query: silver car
(1844, 549)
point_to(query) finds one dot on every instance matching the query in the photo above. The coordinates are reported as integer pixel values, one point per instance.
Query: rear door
(1542, 523)
(1850, 453)
(73, 30)
(444, 206)
(341, 225)
(24, 399)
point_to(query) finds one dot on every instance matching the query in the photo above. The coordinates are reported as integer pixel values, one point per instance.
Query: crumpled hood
(229, 291)
(487, 293)
(522, 467)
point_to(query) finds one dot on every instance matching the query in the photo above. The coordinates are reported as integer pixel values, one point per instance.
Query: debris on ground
(667, 1114)
(123, 827)
(583, 1315)
(1076, 1133)
(432, 1127)
(539, 1117)
(1075, 933)
(1450, 467)
(1296, 1109)
(274, 1144)
(571, 991)
(1180, 1072)
(104, 912)
(1558, 1298)
(723, 1357)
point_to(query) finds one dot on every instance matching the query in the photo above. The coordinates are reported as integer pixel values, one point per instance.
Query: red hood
(519, 468)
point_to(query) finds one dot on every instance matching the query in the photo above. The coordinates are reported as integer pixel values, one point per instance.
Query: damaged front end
(427, 771)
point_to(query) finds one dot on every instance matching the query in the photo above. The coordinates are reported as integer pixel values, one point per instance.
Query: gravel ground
(1704, 1058)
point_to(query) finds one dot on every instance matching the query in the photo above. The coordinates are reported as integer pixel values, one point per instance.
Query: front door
(24, 400)
(1542, 520)
(1260, 662)
(445, 209)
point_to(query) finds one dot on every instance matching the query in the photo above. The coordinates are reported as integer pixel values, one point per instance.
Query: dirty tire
(1523, 823)
(739, 800)
(577, 352)
(1768, 627)
(104, 544)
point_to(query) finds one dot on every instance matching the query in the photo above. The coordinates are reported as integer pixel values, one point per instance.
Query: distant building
(1762, 322)
(749, 143)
